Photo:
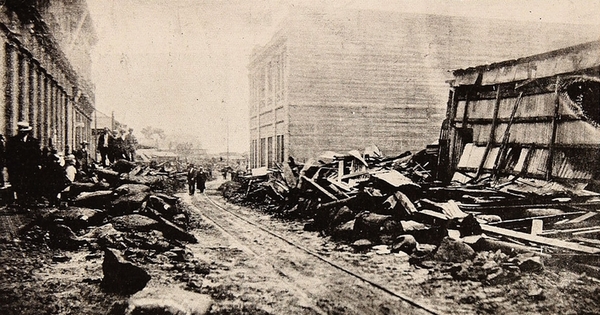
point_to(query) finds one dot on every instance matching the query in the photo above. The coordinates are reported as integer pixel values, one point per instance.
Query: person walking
(191, 179)
(201, 180)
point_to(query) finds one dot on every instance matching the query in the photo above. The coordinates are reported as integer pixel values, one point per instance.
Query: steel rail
(329, 262)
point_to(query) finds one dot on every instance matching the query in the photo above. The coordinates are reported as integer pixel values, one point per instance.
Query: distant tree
(151, 132)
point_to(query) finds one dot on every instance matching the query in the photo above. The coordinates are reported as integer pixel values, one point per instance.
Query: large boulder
(96, 200)
(405, 243)
(369, 225)
(129, 197)
(134, 223)
(62, 237)
(454, 251)
(168, 301)
(342, 215)
(344, 231)
(104, 236)
(78, 218)
(160, 205)
(131, 189)
(123, 166)
(120, 275)
(79, 187)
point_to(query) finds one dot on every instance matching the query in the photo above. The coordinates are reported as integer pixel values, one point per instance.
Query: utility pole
(227, 128)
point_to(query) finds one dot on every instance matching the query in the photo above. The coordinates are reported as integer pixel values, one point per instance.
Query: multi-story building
(46, 69)
(347, 80)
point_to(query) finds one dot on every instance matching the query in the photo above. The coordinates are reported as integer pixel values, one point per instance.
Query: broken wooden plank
(587, 240)
(537, 227)
(525, 221)
(587, 232)
(340, 185)
(568, 231)
(336, 203)
(583, 217)
(318, 187)
(540, 239)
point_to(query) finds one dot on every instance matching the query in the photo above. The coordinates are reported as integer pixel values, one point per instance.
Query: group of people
(36, 173)
(196, 178)
(116, 145)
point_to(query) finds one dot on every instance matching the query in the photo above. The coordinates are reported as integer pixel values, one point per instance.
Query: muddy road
(250, 262)
(276, 264)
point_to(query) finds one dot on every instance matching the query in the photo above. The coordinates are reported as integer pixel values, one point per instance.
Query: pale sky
(181, 65)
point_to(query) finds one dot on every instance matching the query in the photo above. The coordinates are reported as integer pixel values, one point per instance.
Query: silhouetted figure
(191, 179)
(201, 180)
(104, 146)
(23, 158)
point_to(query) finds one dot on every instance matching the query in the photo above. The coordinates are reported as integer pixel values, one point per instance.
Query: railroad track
(282, 255)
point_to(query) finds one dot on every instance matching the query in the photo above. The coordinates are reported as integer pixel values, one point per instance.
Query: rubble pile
(479, 223)
(125, 214)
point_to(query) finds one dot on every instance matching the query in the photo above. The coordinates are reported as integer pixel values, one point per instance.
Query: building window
(261, 88)
(280, 76)
(279, 149)
(263, 151)
(254, 154)
(270, 152)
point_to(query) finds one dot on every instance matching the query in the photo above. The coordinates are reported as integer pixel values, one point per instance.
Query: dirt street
(252, 263)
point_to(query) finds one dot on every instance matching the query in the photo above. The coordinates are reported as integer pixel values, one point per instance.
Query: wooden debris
(540, 239)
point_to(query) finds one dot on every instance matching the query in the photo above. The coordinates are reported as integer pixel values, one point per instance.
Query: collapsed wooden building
(534, 117)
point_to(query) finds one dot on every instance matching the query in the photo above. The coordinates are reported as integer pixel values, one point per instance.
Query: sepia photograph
(268, 157)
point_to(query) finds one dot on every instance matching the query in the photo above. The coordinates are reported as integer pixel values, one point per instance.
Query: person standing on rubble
(130, 145)
(191, 179)
(23, 156)
(82, 157)
(104, 146)
(54, 179)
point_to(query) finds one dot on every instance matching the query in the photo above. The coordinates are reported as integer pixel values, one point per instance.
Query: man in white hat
(23, 157)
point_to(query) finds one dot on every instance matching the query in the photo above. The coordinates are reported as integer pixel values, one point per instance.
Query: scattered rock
(104, 236)
(78, 218)
(453, 251)
(424, 249)
(62, 237)
(344, 214)
(405, 243)
(95, 200)
(368, 225)
(121, 276)
(123, 166)
(362, 245)
(529, 263)
(489, 218)
(344, 231)
(60, 258)
(168, 301)
(134, 222)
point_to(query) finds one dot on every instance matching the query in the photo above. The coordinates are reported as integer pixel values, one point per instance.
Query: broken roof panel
(565, 60)
(394, 178)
